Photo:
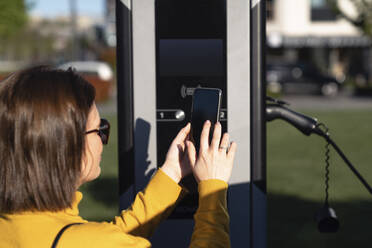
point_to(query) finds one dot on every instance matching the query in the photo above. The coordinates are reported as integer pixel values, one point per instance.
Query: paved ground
(318, 103)
(343, 101)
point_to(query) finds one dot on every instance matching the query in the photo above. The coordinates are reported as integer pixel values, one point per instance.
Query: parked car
(300, 79)
(99, 74)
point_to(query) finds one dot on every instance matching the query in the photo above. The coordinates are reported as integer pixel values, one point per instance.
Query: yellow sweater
(131, 228)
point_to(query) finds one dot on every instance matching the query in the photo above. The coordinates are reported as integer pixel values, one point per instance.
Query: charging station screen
(191, 57)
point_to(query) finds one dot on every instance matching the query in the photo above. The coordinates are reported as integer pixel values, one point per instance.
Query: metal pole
(258, 124)
(125, 99)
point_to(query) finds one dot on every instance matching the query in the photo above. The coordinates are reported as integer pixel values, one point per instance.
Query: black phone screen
(205, 106)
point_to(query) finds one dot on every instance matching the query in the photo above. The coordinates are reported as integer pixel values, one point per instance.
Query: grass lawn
(295, 176)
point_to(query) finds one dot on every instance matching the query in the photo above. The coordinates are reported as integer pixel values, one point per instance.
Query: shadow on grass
(291, 223)
(104, 190)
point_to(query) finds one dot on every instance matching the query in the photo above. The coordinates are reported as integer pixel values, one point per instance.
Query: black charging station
(166, 49)
(190, 53)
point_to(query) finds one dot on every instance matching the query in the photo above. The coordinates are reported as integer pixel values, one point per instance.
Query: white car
(100, 69)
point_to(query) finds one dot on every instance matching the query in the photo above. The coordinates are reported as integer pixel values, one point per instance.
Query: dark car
(300, 79)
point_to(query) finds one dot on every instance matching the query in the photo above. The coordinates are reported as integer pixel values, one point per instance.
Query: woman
(51, 140)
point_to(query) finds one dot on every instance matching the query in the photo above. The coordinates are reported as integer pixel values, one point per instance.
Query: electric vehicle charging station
(167, 48)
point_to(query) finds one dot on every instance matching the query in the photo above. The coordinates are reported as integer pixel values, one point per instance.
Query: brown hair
(43, 116)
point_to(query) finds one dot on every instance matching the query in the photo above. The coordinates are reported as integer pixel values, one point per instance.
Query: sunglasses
(103, 131)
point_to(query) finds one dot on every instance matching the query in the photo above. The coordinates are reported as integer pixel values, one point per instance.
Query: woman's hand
(215, 161)
(177, 164)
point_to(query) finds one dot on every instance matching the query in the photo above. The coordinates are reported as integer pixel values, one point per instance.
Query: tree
(363, 18)
(13, 16)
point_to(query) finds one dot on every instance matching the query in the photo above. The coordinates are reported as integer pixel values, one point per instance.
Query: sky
(52, 8)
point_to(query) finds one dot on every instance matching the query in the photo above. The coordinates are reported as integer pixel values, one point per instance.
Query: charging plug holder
(326, 216)
(327, 220)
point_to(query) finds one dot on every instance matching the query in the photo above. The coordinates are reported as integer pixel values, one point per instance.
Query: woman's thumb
(191, 153)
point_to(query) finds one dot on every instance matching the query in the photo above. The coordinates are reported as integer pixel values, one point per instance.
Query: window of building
(270, 10)
(321, 11)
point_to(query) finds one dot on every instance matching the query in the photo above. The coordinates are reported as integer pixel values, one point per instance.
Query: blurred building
(50, 40)
(110, 22)
(309, 31)
(60, 27)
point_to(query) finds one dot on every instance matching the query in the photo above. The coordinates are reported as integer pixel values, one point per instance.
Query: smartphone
(205, 106)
